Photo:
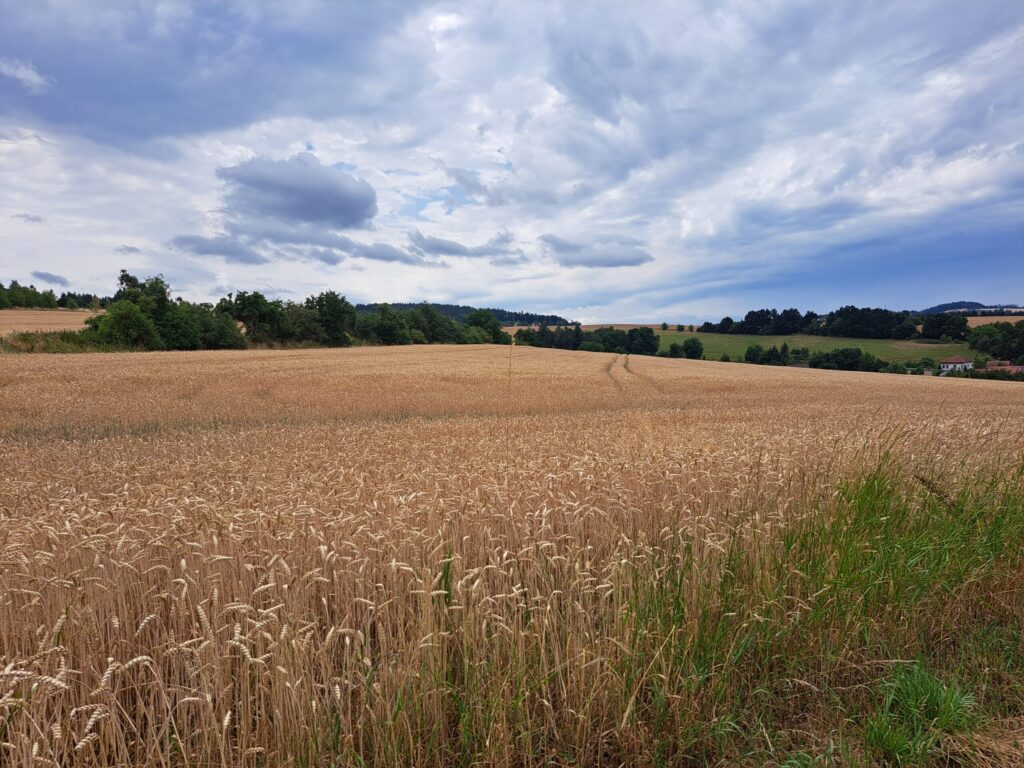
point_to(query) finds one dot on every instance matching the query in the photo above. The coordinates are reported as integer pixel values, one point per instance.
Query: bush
(846, 359)
(693, 349)
(124, 324)
(642, 341)
(471, 334)
(724, 358)
(943, 324)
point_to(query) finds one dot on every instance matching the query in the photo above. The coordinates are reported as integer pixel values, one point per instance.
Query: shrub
(124, 324)
(693, 349)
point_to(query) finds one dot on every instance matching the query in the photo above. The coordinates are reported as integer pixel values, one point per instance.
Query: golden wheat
(271, 558)
(32, 320)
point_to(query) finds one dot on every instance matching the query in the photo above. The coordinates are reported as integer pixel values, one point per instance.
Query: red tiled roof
(956, 360)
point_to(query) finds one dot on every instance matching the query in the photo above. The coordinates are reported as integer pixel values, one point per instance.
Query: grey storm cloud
(299, 189)
(31, 218)
(499, 249)
(438, 245)
(49, 277)
(385, 252)
(604, 252)
(225, 246)
(127, 249)
(136, 71)
(293, 208)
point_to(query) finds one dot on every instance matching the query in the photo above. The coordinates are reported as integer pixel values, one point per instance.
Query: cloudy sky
(607, 161)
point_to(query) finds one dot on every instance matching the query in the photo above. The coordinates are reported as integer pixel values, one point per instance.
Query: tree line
(143, 314)
(849, 321)
(30, 297)
(461, 313)
(1003, 341)
(635, 341)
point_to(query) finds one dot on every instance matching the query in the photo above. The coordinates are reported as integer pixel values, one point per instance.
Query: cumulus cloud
(31, 218)
(602, 252)
(299, 189)
(468, 183)
(500, 249)
(50, 277)
(228, 247)
(293, 209)
(25, 74)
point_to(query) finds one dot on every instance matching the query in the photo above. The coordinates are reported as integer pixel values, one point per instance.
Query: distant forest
(972, 308)
(459, 313)
(850, 321)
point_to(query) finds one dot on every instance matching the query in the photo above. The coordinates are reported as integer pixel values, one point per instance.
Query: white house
(955, 364)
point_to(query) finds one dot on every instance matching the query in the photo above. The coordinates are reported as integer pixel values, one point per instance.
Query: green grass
(917, 711)
(860, 616)
(55, 342)
(890, 350)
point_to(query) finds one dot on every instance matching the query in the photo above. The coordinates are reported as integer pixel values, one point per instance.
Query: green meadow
(890, 350)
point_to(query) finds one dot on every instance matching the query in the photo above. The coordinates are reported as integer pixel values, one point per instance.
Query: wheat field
(34, 320)
(442, 556)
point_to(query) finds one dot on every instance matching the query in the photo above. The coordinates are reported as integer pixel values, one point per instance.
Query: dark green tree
(693, 349)
(949, 324)
(485, 320)
(124, 324)
(336, 315)
(642, 341)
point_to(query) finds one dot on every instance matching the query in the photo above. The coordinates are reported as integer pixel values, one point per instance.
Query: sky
(606, 161)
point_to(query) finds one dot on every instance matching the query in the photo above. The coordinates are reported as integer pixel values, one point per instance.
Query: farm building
(1003, 365)
(956, 364)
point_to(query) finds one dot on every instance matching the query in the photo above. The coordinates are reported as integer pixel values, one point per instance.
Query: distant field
(885, 349)
(19, 320)
(734, 345)
(974, 322)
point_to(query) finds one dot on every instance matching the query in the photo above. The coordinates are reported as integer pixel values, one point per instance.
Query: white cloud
(25, 74)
